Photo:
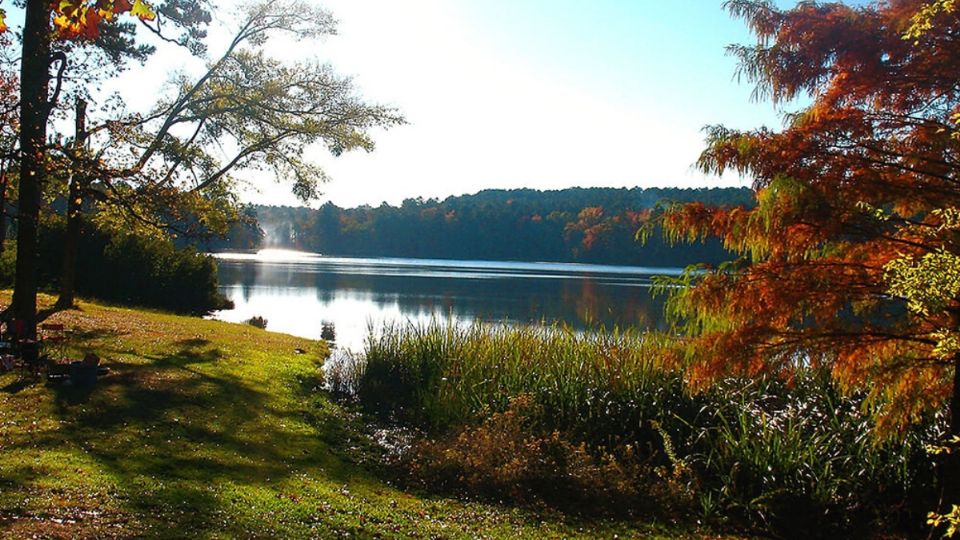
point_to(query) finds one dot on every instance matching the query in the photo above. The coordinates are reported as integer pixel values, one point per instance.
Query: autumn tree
(857, 192)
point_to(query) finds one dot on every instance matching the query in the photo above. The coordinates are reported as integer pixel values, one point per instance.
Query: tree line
(590, 225)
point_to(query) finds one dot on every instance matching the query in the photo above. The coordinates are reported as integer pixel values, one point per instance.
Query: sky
(544, 94)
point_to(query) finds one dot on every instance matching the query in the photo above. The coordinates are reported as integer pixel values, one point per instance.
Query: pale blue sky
(537, 93)
(545, 94)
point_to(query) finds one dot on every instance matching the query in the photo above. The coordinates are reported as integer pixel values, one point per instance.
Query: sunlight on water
(300, 293)
(270, 255)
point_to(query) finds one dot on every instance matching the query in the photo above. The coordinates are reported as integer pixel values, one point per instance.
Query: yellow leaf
(70, 7)
(143, 10)
(61, 22)
(3, 23)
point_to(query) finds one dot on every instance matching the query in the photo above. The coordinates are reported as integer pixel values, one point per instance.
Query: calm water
(298, 293)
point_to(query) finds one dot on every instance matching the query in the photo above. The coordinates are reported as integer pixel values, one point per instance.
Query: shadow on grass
(23, 381)
(187, 357)
(179, 434)
(193, 343)
(67, 394)
(94, 334)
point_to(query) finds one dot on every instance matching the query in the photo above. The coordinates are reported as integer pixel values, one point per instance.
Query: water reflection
(314, 296)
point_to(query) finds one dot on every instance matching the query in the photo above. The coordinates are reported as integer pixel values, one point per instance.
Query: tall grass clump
(797, 455)
(440, 375)
(605, 417)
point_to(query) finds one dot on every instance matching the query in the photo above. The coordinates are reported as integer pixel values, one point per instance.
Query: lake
(301, 293)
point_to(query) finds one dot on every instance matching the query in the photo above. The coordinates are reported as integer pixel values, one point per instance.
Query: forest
(595, 225)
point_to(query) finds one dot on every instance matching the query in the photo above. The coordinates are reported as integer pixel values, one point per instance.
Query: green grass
(206, 429)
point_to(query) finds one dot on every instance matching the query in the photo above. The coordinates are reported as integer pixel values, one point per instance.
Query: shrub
(506, 456)
(8, 264)
(134, 269)
(257, 321)
(799, 456)
(328, 331)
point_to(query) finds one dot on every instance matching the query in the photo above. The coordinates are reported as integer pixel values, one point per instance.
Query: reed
(801, 456)
(779, 453)
(440, 375)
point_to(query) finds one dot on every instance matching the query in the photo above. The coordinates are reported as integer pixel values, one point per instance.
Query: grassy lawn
(210, 429)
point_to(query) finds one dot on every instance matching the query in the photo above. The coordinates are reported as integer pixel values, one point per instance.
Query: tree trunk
(71, 243)
(3, 207)
(948, 462)
(70, 248)
(34, 85)
(951, 475)
(955, 398)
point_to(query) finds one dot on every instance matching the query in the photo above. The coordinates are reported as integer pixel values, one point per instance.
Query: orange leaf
(91, 26)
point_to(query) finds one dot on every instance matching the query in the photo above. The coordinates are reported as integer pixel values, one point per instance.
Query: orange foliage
(81, 19)
(590, 224)
(841, 191)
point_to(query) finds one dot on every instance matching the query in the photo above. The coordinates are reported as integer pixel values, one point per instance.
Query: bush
(8, 264)
(138, 270)
(257, 321)
(506, 456)
(799, 456)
